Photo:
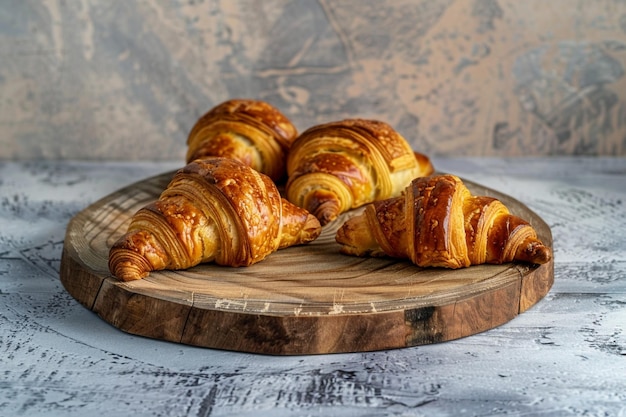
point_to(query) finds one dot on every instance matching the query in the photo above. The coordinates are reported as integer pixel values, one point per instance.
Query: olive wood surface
(307, 299)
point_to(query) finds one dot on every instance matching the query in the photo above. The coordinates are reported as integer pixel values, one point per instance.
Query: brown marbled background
(113, 79)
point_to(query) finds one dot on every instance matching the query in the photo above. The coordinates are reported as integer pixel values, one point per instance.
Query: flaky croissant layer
(338, 166)
(437, 222)
(214, 210)
(251, 131)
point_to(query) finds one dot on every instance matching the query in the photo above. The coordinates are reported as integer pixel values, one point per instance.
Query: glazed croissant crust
(251, 131)
(437, 222)
(214, 210)
(338, 166)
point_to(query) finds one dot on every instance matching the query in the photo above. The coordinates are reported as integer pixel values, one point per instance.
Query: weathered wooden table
(564, 356)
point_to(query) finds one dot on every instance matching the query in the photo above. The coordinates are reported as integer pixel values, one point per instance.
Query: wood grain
(301, 300)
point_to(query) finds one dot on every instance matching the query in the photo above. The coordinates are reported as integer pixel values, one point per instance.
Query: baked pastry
(437, 222)
(338, 166)
(213, 210)
(251, 131)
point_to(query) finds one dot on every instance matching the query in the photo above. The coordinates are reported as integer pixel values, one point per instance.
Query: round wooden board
(301, 300)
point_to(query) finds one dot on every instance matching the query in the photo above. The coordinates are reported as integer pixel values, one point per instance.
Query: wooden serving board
(301, 300)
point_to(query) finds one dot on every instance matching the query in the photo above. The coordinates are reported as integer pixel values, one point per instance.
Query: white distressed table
(565, 356)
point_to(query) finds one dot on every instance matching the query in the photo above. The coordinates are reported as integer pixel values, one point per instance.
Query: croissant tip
(326, 212)
(543, 255)
(536, 253)
(128, 274)
(126, 270)
(312, 227)
(126, 259)
(355, 238)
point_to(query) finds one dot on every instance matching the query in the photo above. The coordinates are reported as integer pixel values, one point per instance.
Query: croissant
(437, 222)
(338, 166)
(213, 210)
(251, 131)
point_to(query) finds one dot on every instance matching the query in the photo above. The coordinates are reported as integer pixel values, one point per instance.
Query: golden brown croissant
(251, 131)
(437, 222)
(214, 210)
(338, 166)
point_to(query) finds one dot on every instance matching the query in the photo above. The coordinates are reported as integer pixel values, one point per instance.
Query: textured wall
(127, 79)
